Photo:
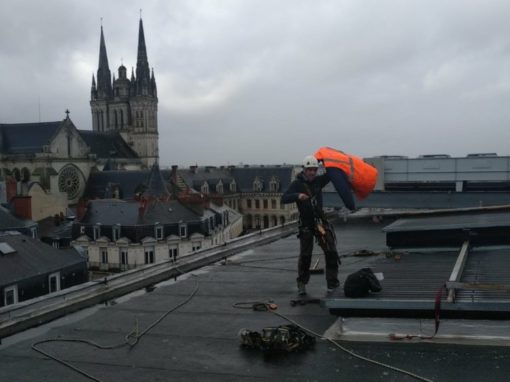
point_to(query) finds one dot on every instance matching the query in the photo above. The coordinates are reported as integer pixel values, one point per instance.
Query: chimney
(193, 169)
(81, 209)
(22, 206)
(11, 189)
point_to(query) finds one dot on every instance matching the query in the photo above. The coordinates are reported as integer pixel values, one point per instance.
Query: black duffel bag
(361, 283)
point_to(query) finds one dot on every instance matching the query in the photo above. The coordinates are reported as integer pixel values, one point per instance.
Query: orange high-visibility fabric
(361, 175)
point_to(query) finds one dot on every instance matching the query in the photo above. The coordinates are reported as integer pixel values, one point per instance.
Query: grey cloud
(266, 82)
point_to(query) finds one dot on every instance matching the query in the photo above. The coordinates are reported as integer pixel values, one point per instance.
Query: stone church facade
(127, 105)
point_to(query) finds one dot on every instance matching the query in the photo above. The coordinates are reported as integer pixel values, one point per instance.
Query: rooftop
(199, 341)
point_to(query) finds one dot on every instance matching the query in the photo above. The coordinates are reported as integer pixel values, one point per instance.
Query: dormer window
(97, 231)
(159, 232)
(274, 184)
(205, 188)
(219, 187)
(116, 232)
(233, 186)
(183, 230)
(257, 185)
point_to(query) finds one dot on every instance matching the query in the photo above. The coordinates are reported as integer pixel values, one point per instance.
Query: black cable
(131, 339)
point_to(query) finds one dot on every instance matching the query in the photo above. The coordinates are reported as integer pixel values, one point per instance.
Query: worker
(306, 192)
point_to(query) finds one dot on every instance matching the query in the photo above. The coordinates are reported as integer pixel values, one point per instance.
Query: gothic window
(69, 181)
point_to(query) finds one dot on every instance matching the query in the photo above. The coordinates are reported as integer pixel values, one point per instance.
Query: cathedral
(127, 106)
(48, 164)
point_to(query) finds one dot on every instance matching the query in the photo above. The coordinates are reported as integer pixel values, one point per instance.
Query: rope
(131, 339)
(344, 349)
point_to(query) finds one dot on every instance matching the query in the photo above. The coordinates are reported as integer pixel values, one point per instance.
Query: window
(173, 252)
(265, 204)
(233, 186)
(274, 184)
(183, 230)
(159, 232)
(149, 255)
(54, 282)
(205, 188)
(11, 295)
(97, 231)
(257, 203)
(116, 232)
(56, 244)
(33, 230)
(219, 187)
(82, 229)
(273, 204)
(211, 223)
(124, 260)
(257, 185)
(195, 246)
(248, 203)
(104, 255)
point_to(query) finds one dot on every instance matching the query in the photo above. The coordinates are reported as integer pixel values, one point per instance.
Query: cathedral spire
(142, 65)
(104, 83)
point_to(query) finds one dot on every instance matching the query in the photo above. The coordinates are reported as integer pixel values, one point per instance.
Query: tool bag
(280, 339)
(361, 283)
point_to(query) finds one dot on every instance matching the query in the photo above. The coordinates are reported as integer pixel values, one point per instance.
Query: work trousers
(328, 245)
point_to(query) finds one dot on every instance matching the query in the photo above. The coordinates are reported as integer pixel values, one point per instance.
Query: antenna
(39, 105)
(140, 12)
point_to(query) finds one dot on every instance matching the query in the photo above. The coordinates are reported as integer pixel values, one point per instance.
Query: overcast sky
(266, 81)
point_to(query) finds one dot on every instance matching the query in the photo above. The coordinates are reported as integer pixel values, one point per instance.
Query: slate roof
(32, 258)
(27, 138)
(156, 185)
(245, 176)
(99, 184)
(107, 145)
(150, 182)
(113, 211)
(9, 221)
(211, 175)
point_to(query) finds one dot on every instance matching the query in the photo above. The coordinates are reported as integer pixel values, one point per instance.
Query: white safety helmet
(310, 162)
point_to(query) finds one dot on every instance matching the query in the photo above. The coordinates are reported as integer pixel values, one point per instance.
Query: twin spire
(143, 84)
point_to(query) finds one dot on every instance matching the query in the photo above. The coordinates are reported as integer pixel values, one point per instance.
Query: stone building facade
(255, 191)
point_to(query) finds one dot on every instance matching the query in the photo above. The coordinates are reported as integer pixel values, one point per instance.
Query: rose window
(69, 182)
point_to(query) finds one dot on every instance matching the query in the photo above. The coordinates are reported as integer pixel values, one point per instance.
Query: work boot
(301, 287)
(332, 286)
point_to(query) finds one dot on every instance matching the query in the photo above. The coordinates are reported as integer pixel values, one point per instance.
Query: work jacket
(361, 175)
(311, 209)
